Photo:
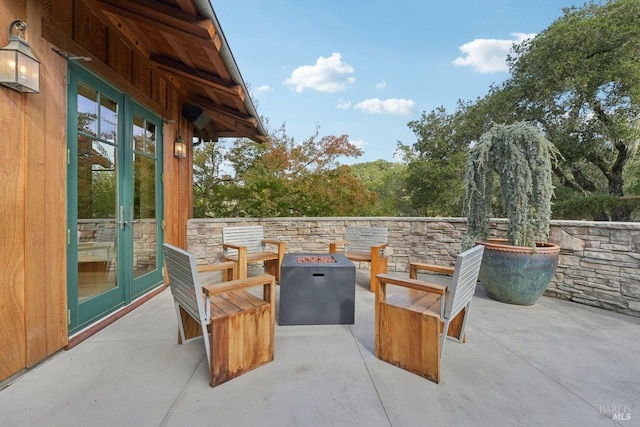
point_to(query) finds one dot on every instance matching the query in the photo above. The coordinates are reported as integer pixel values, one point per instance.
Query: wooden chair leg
(242, 263)
(271, 267)
(456, 326)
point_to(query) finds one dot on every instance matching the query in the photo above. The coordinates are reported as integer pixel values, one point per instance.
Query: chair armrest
(414, 267)
(432, 267)
(279, 243)
(333, 246)
(229, 269)
(272, 241)
(377, 250)
(232, 246)
(234, 285)
(217, 266)
(419, 285)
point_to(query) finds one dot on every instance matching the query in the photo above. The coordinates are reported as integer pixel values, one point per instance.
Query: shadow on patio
(555, 363)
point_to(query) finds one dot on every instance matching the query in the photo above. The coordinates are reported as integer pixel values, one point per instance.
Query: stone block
(635, 242)
(631, 289)
(565, 240)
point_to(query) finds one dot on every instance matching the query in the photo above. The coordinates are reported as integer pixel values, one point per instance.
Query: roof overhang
(183, 40)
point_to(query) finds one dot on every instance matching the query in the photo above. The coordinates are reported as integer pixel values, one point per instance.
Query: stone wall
(599, 261)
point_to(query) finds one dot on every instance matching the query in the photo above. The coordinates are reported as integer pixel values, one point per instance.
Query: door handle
(122, 222)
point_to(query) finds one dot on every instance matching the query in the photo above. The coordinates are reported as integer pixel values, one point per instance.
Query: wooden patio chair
(246, 244)
(412, 324)
(365, 244)
(237, 327)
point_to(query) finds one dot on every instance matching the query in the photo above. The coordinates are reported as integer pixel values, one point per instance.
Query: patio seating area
(555, 363)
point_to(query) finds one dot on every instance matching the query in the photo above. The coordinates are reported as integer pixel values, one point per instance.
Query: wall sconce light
(19, 68)
(179, 147)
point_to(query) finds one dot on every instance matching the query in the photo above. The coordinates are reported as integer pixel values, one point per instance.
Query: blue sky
(366, 68)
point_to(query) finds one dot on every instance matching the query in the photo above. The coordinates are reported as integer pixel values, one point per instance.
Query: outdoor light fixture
(179, 147)
(19, 68)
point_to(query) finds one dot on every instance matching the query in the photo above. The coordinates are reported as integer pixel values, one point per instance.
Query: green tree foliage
(387, 180)
(435, 163)
(579, 81)
(280, 178)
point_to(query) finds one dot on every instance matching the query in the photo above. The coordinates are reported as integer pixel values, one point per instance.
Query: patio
(555, 363)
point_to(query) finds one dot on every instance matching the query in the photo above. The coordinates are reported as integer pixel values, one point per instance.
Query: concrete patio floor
(553, 364)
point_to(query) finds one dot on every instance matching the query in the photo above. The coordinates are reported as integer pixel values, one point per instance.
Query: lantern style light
(19, 68)
(179, 147)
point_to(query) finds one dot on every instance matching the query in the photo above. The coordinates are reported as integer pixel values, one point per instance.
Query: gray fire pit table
(317, 293)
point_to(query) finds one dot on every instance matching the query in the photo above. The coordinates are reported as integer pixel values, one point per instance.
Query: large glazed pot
(517, 274)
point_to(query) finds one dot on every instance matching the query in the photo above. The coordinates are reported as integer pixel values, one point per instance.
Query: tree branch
(585, 183)
(564, 179)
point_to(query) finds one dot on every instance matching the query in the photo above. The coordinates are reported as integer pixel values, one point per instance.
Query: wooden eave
(186, 48)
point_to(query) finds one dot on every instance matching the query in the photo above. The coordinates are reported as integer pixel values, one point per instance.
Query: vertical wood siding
(33, 230)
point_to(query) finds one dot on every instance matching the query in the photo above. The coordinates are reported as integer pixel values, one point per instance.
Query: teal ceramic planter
(515, 274)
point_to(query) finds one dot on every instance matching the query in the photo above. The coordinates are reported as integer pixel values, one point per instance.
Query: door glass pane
(97, 227)
(87, 110)
(108, 119)
(144, 198)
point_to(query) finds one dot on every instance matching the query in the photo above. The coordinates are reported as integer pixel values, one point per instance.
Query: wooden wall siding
(33, 290)
(54, 70)
(12, 205)
(34, 214)
(33, 298)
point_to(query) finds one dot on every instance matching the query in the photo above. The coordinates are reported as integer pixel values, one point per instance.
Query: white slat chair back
(360, 239)
(463, 283)
(249, 236)
(462, 288)
(186, 290)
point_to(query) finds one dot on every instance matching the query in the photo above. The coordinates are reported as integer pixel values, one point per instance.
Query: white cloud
(343, 105)
(381, 85)
(488, 55)
(263, 88)
(327, 75)
(388, 106)
(359, 143)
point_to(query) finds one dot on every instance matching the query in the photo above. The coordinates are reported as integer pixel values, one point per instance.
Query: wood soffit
(185, 48)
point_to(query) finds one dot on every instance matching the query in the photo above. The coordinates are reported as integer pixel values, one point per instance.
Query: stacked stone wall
(599, 261)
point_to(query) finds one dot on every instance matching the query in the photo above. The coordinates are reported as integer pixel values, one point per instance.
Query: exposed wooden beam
(178, 49)
(207, 134)
(131, 34)
(201, 77)
(212, 94)
(59, 39)
(239, 127)
(226, 111)
(162, 16)
(188, 6)
(218, 63)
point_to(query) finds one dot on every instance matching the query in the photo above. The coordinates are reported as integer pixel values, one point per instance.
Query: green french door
(114, 199)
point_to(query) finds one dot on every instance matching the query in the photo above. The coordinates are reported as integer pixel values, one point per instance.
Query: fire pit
(317, 289)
